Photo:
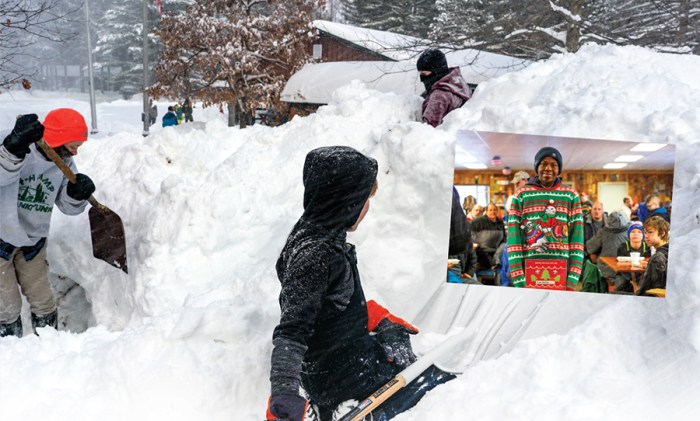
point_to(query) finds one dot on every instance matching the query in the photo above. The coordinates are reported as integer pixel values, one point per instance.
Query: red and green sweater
(545, 223)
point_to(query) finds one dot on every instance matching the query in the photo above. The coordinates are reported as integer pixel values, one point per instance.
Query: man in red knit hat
(30, 186)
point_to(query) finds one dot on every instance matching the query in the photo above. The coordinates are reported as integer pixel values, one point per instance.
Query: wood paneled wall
(641, 183)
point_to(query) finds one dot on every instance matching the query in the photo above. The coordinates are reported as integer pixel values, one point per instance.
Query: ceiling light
(648, 147)
(614, 166)
(628, 158)
(476, 166)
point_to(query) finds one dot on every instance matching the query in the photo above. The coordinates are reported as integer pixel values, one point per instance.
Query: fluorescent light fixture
(648, 147)
(628, 158)
(614, 166)
(476, 166)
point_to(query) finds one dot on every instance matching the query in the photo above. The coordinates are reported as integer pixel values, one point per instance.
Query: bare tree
(23, 25)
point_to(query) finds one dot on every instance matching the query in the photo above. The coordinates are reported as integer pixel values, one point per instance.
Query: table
(626, 267)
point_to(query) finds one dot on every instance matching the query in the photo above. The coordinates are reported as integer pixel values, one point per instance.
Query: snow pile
(186, 335)
(638, 357)
(207, 208)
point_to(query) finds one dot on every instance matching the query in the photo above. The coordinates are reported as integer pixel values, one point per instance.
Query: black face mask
(430, 79)
(63, 152)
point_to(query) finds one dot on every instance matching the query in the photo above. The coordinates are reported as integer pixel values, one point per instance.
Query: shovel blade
(107, 231)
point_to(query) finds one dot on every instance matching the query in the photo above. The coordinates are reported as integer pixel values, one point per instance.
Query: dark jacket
(460, 235)
(445, 95)
(608, 239)
(489, 235)
(322, 340)
(655, 273)
(590, 229)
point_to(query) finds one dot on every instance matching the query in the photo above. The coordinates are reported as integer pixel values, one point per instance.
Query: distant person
(30, 185)
(656, 232)
(445, 88)
(545, 229)
(633, 207)
(593, 222)
(477, 211)
(586, 204)
(652, 206)
(153, 113)
(488, 233)
(178, 113)
(608, 240)
(519, 179)
(460, 240)
(330, 340)
(635, 244)
(187, 110)
(468, 204)
(170, 119)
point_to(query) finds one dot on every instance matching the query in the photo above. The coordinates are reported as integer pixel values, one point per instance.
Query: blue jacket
(169, 119)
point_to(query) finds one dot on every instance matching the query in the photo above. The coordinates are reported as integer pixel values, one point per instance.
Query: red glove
(286, 407)
(377, 313)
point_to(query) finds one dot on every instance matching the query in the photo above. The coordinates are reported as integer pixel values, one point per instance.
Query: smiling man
(545, 229)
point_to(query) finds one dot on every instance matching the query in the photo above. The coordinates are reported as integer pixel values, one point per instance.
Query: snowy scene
(207, 206)
(187, 332)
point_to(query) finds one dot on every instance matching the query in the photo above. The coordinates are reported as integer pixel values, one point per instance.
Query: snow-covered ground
(186, 335)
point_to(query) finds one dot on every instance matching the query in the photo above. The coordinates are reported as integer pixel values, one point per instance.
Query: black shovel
(106, 227)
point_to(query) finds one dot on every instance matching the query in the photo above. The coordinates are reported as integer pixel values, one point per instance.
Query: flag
(159, 5)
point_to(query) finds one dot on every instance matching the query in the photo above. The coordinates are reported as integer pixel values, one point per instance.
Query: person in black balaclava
(445, 88)
(330, 340)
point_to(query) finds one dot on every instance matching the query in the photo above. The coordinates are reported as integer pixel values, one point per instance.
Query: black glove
(27, 130)
(82, 189)
(396, 343)
(286, 407)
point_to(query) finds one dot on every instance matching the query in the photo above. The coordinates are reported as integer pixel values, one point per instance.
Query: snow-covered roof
(315, 83)
(389, 44)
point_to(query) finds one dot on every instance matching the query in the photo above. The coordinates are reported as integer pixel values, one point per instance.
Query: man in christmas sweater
(545, 229)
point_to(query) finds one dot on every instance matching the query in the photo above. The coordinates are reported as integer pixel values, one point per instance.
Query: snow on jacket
(608, 239)
(29, 188)
(530, 224)
(322, 339)
(445, 95)
(655, 273)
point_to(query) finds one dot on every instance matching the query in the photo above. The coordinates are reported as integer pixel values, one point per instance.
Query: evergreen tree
(409, 17)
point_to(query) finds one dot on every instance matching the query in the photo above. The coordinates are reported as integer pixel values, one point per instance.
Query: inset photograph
(556, 213)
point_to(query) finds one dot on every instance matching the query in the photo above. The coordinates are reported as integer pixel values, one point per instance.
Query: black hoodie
(322, 337)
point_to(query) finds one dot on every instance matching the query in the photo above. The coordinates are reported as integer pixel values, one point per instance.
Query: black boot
(50, 319)
(14, 328)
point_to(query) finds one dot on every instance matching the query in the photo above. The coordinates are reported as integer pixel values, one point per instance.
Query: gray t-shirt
(29, 188)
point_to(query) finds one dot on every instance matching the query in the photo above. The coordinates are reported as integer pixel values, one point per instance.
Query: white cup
(635, 258)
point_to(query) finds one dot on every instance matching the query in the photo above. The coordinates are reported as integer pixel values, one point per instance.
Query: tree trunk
(231, 113)
(573, 28)
(683, 21)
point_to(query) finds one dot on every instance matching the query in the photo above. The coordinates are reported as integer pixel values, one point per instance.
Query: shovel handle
(65, 169)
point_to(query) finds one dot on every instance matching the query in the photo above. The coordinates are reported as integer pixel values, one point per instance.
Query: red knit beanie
(64, 125)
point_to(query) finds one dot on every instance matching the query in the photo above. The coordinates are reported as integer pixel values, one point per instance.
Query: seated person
(635, 243)
(488, 233)
(656, 231)
(606, 241)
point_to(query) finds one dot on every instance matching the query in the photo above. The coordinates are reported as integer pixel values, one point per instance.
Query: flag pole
(146, 117)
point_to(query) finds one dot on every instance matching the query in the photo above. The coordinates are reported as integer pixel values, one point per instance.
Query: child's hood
(337, 182)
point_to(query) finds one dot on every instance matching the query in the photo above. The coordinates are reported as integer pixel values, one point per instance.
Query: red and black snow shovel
(106, 227)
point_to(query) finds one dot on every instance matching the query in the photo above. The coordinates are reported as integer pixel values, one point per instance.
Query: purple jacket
(445, 95)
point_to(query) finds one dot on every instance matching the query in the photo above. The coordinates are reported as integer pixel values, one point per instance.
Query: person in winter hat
(30, 185)
(330, 340)
(545, 229)
(635, 243)
(445, 88)
(170, 119)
